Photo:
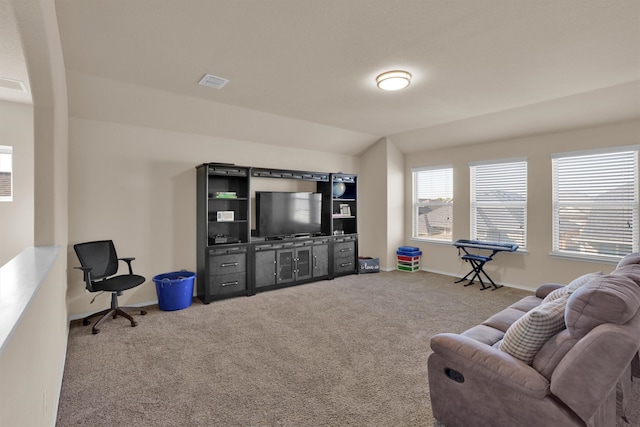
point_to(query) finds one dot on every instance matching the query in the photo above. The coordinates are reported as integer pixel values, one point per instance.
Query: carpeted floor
(351, 351)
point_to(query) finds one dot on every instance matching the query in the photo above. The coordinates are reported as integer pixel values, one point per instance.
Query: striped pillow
(571, 287)
(526, 336)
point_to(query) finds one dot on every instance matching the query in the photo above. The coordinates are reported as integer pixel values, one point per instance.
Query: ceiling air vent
(215, 82)
(12, 84)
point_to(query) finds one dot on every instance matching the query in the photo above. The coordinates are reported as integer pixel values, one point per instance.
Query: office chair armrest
(128, 261)
(87, 277)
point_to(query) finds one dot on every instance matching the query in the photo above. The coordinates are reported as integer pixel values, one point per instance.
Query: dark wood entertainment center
(233, 261)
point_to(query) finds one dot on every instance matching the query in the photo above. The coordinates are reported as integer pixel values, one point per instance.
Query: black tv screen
(287, 213)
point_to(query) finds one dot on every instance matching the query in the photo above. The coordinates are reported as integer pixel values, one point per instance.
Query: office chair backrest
(101, 255)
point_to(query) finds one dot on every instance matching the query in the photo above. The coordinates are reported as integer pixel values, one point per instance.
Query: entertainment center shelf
(297, 237)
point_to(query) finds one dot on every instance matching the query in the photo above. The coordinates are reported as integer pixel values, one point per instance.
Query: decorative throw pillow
(526, 336)
(572, 286)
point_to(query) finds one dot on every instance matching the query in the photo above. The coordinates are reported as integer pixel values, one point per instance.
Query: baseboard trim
(459, 276)
(83, 315)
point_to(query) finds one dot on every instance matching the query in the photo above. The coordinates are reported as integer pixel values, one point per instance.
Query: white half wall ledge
(20, 280)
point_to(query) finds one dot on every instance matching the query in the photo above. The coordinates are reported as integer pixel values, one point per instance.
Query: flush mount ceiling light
(393, 80)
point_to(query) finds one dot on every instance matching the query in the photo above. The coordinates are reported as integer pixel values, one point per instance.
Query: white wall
(381, 203)
(537, 266)
(372, 186)
(137, 186)
(395, 203)
(32, 361)
(16, 217)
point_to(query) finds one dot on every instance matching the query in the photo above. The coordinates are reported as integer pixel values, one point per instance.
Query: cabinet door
(285, 265)
(303, 268)
(320, 260)
(265, 262)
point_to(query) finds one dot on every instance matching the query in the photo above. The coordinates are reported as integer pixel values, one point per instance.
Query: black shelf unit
(227, 195)
(340, 204)
(340, 220)
(223, 206)
(231, 263)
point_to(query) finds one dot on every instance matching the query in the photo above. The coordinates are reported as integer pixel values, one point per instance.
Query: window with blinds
(595, 203)
(6, 173)
(499, 201)
(433, 203)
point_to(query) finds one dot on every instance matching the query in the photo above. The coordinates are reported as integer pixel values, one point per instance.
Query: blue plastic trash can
(175, 290)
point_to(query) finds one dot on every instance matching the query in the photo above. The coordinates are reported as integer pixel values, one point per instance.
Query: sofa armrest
(546, 289)
(475, 358)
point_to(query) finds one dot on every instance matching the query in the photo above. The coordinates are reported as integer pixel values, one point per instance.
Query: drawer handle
(229, 264)
(345, 264)
(234, 283)
(345, 250)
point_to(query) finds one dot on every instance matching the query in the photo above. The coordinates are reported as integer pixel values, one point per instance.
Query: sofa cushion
(629, 259)
(632, 271)
(484, 334)
(552, 352)
(504, 319)
(572, 286)
(545, 289)
(528, 334)
(526, 303)
(608, 299)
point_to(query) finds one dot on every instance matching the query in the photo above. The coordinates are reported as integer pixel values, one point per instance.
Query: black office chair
(99, 265)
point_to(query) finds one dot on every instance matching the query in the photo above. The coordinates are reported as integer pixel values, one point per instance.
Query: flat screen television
(281, 214)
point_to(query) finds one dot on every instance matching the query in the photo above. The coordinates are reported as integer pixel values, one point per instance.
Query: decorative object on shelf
(339, 189)
(223, 216)
(226, 195)
(345, 209)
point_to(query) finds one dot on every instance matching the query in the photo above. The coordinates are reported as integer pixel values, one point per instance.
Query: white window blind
(6, 173)
(433, 203)
(499, 202)
(595, 203)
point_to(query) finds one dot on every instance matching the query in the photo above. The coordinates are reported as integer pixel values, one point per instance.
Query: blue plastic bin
(175, 290)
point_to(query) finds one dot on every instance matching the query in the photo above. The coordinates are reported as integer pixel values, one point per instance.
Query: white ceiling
(482, 69)
(12, 63)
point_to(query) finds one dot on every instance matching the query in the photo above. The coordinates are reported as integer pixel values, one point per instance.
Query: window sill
(585, 258)
(432, 241)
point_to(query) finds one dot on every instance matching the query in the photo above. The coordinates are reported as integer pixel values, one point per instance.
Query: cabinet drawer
(228, 283)
(227, 264)
(344, 264)
(344, 249)
(344, 255)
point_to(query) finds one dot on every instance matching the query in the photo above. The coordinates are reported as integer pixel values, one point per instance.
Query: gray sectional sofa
(564, 357)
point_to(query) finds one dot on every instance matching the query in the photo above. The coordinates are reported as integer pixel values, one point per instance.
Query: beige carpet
(351, 351)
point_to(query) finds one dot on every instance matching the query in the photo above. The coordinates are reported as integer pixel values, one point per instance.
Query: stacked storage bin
(408, 258)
